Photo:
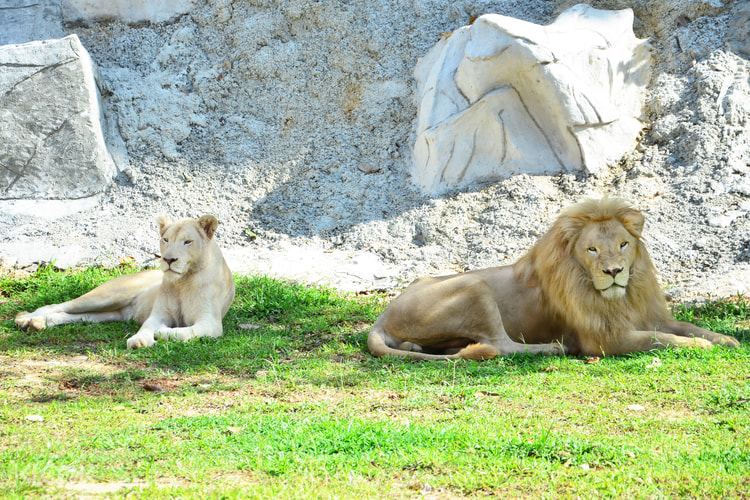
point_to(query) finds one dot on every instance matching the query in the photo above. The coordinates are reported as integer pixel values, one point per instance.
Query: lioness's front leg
(202, 328)
(145, 335)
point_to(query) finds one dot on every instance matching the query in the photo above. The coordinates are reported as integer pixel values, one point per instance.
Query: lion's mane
(565, 288)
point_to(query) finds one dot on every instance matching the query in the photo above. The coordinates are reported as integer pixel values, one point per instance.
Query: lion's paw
(140, 341)
(559, 350)
(702, 343)
(727, 341)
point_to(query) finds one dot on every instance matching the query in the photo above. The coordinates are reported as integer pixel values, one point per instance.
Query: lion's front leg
(642, 341)
(685, 329)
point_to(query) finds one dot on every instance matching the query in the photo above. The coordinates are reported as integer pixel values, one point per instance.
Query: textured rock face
(50, 127)
(22, 21)
(739, 27)
(130, 11)
(505, 96)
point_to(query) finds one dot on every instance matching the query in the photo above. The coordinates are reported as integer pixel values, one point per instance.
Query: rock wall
(293, 122)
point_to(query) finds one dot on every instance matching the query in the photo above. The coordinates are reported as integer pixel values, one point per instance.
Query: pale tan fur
(187, 298)
(588, 284)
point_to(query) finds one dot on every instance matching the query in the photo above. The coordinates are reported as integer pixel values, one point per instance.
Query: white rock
(725, 219)
(505, 96)
(50, 122)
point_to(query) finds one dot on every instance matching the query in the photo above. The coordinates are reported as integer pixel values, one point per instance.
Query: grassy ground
(289, 404)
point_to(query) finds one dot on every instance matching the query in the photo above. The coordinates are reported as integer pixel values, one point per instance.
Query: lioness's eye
(187, 242)
(592, 249)
(624, 245)
(165, 240)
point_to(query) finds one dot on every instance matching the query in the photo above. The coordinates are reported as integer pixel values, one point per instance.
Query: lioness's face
(182, 245)
(606, 250)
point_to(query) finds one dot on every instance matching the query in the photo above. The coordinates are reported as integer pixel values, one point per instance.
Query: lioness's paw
(22, 320)
(139, 342)
(165, 333)
(25, 321)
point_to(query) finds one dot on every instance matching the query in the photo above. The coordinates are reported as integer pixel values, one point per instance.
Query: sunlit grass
(289, 404)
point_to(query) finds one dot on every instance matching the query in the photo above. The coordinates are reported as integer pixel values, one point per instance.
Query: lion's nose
(171, 261)
(613, 271)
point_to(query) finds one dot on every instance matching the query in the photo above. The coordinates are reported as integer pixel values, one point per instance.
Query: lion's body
(187, 298)
(588, 284)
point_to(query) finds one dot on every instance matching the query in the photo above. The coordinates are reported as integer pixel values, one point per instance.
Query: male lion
(188, 298)
(586, 287)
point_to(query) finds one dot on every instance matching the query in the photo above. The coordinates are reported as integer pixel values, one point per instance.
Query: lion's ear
(633, 221)
(209, 224)
(163, 223)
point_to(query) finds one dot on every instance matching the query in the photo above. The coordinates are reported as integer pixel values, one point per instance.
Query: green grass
(289, 404)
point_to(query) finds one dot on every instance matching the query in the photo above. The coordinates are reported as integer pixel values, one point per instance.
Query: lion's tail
(376, 342)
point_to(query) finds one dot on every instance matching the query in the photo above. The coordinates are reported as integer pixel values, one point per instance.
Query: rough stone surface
(505, 96)
(50, 126)
(129, 11)
(25, 21)
(292, 122)
(739, 28)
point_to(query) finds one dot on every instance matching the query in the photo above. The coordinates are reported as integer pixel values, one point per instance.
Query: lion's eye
(165, 240)
(624, 245)
(592, 249)
(187, 242)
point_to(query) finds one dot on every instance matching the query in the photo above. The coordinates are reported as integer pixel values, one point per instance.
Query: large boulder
(22, 21)
(505, 96)
(50, 122)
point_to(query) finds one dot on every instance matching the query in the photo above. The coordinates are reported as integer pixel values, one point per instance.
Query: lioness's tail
(376, 342)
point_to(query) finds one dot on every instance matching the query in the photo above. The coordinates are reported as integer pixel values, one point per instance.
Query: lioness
(588, 286)
(187, 298)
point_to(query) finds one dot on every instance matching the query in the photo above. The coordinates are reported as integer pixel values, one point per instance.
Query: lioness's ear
(209, 224)
(163, 223)
(633, 221)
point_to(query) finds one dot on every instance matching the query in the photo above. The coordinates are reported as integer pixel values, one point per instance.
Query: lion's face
(607, 251)
(182, 245)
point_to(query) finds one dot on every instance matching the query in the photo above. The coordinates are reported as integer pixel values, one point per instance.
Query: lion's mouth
(614, 291)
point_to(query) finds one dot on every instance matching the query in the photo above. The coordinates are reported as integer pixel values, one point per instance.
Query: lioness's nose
(613, 271)
(170, 261)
